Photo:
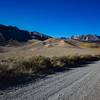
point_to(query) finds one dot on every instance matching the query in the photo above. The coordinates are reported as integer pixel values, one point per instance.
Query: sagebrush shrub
(43, 64)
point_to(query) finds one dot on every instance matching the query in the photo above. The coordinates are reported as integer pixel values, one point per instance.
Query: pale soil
(77, 84)
(52, 47)
(24, 52)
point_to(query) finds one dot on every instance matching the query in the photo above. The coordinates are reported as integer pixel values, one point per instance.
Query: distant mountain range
(88, 38)
(8, 33)
(12, 33)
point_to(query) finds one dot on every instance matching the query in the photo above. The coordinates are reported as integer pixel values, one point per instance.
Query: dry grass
(89, 45)
(14, 67)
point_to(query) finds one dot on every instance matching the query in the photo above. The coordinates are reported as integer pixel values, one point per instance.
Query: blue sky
(53, 17)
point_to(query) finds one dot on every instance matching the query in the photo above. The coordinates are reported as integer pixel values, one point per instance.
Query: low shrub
(59, 62)
(33, 65)
(40, 64)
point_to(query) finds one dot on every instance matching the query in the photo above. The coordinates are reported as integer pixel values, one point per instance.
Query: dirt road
(77, 84)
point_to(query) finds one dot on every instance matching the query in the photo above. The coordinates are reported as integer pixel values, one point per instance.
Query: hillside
(87, 38)
(10, 33)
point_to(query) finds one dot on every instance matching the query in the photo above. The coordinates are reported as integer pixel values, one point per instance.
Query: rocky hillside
(88, 38)
(39, 36)
(8, 33)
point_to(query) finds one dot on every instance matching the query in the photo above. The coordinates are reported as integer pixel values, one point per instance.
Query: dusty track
(78, 84)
